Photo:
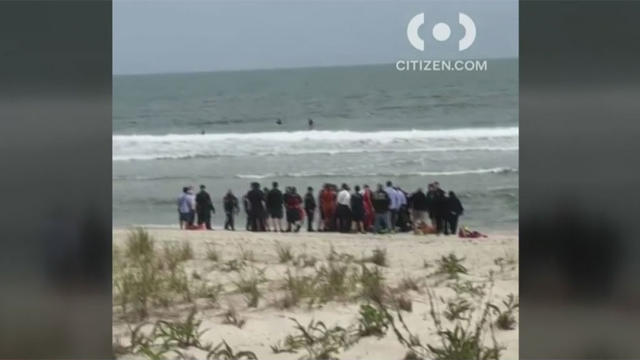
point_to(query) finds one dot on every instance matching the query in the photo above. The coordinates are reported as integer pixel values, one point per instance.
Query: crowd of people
(384, 209)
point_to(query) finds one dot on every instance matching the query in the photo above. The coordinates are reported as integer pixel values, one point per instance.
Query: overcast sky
(184, 36)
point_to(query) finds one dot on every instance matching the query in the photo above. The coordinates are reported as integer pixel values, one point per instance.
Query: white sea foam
(496, 170)
(177, 146)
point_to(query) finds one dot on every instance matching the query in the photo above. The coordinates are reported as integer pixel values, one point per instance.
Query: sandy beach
(411, 269)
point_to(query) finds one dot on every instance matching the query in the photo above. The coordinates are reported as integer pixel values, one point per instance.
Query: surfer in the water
(279, 121)
(310, 124)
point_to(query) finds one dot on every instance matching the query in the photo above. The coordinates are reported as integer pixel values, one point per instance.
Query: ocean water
(372, 124)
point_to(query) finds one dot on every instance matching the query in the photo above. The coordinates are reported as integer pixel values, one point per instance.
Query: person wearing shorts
(186, 208)
(275, 202)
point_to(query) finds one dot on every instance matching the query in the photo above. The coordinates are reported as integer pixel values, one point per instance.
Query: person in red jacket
(328, 200)
(293, 203)
(369, 213)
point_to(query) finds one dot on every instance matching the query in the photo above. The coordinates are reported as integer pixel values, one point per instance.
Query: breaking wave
(498, 170)
(176, 146)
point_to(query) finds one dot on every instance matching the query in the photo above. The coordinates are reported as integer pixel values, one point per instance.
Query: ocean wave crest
(325, 142)
(309, 174)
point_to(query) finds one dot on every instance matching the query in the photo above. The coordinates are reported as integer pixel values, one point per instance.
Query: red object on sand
(466, 233)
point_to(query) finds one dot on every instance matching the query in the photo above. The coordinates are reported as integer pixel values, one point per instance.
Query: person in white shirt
(403, 218)
(343, 212)
(402, 199)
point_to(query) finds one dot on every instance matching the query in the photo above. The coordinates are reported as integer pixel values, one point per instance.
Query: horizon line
(185, 72)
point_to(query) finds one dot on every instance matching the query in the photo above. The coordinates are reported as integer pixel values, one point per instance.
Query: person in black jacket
(357, 209)
(431, 200)
(439, 207)
(381, 201)
(454, 210)
(275, 201)
(230, 209)
(309, 208)
(255, 196)
(419, 207)
(204, 207)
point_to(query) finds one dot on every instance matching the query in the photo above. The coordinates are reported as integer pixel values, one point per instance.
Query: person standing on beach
(186, 206)
(343, 212)
(369, 213)
(274, 207)
(454, 210)
(192, 200)
(328, 202)
(309, 208)
(247, 206)
(265, 213)
(404, 219)
(393, 206)
(431, 200)
(381, 202)
(285, 197)
(439, 207)
(320, 206)
(256, 207)
(418, 208)
(204, 207)
(293, 204)
(357, 209)
(230, 202)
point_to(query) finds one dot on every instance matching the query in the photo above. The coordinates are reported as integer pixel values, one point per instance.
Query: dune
(409, 264)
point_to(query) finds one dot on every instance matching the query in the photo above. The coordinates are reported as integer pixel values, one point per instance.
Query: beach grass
(178, 284)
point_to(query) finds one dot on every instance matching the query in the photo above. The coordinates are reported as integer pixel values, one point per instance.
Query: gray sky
(183, 36)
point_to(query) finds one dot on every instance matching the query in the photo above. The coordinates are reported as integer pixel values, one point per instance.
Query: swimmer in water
(279, 121)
